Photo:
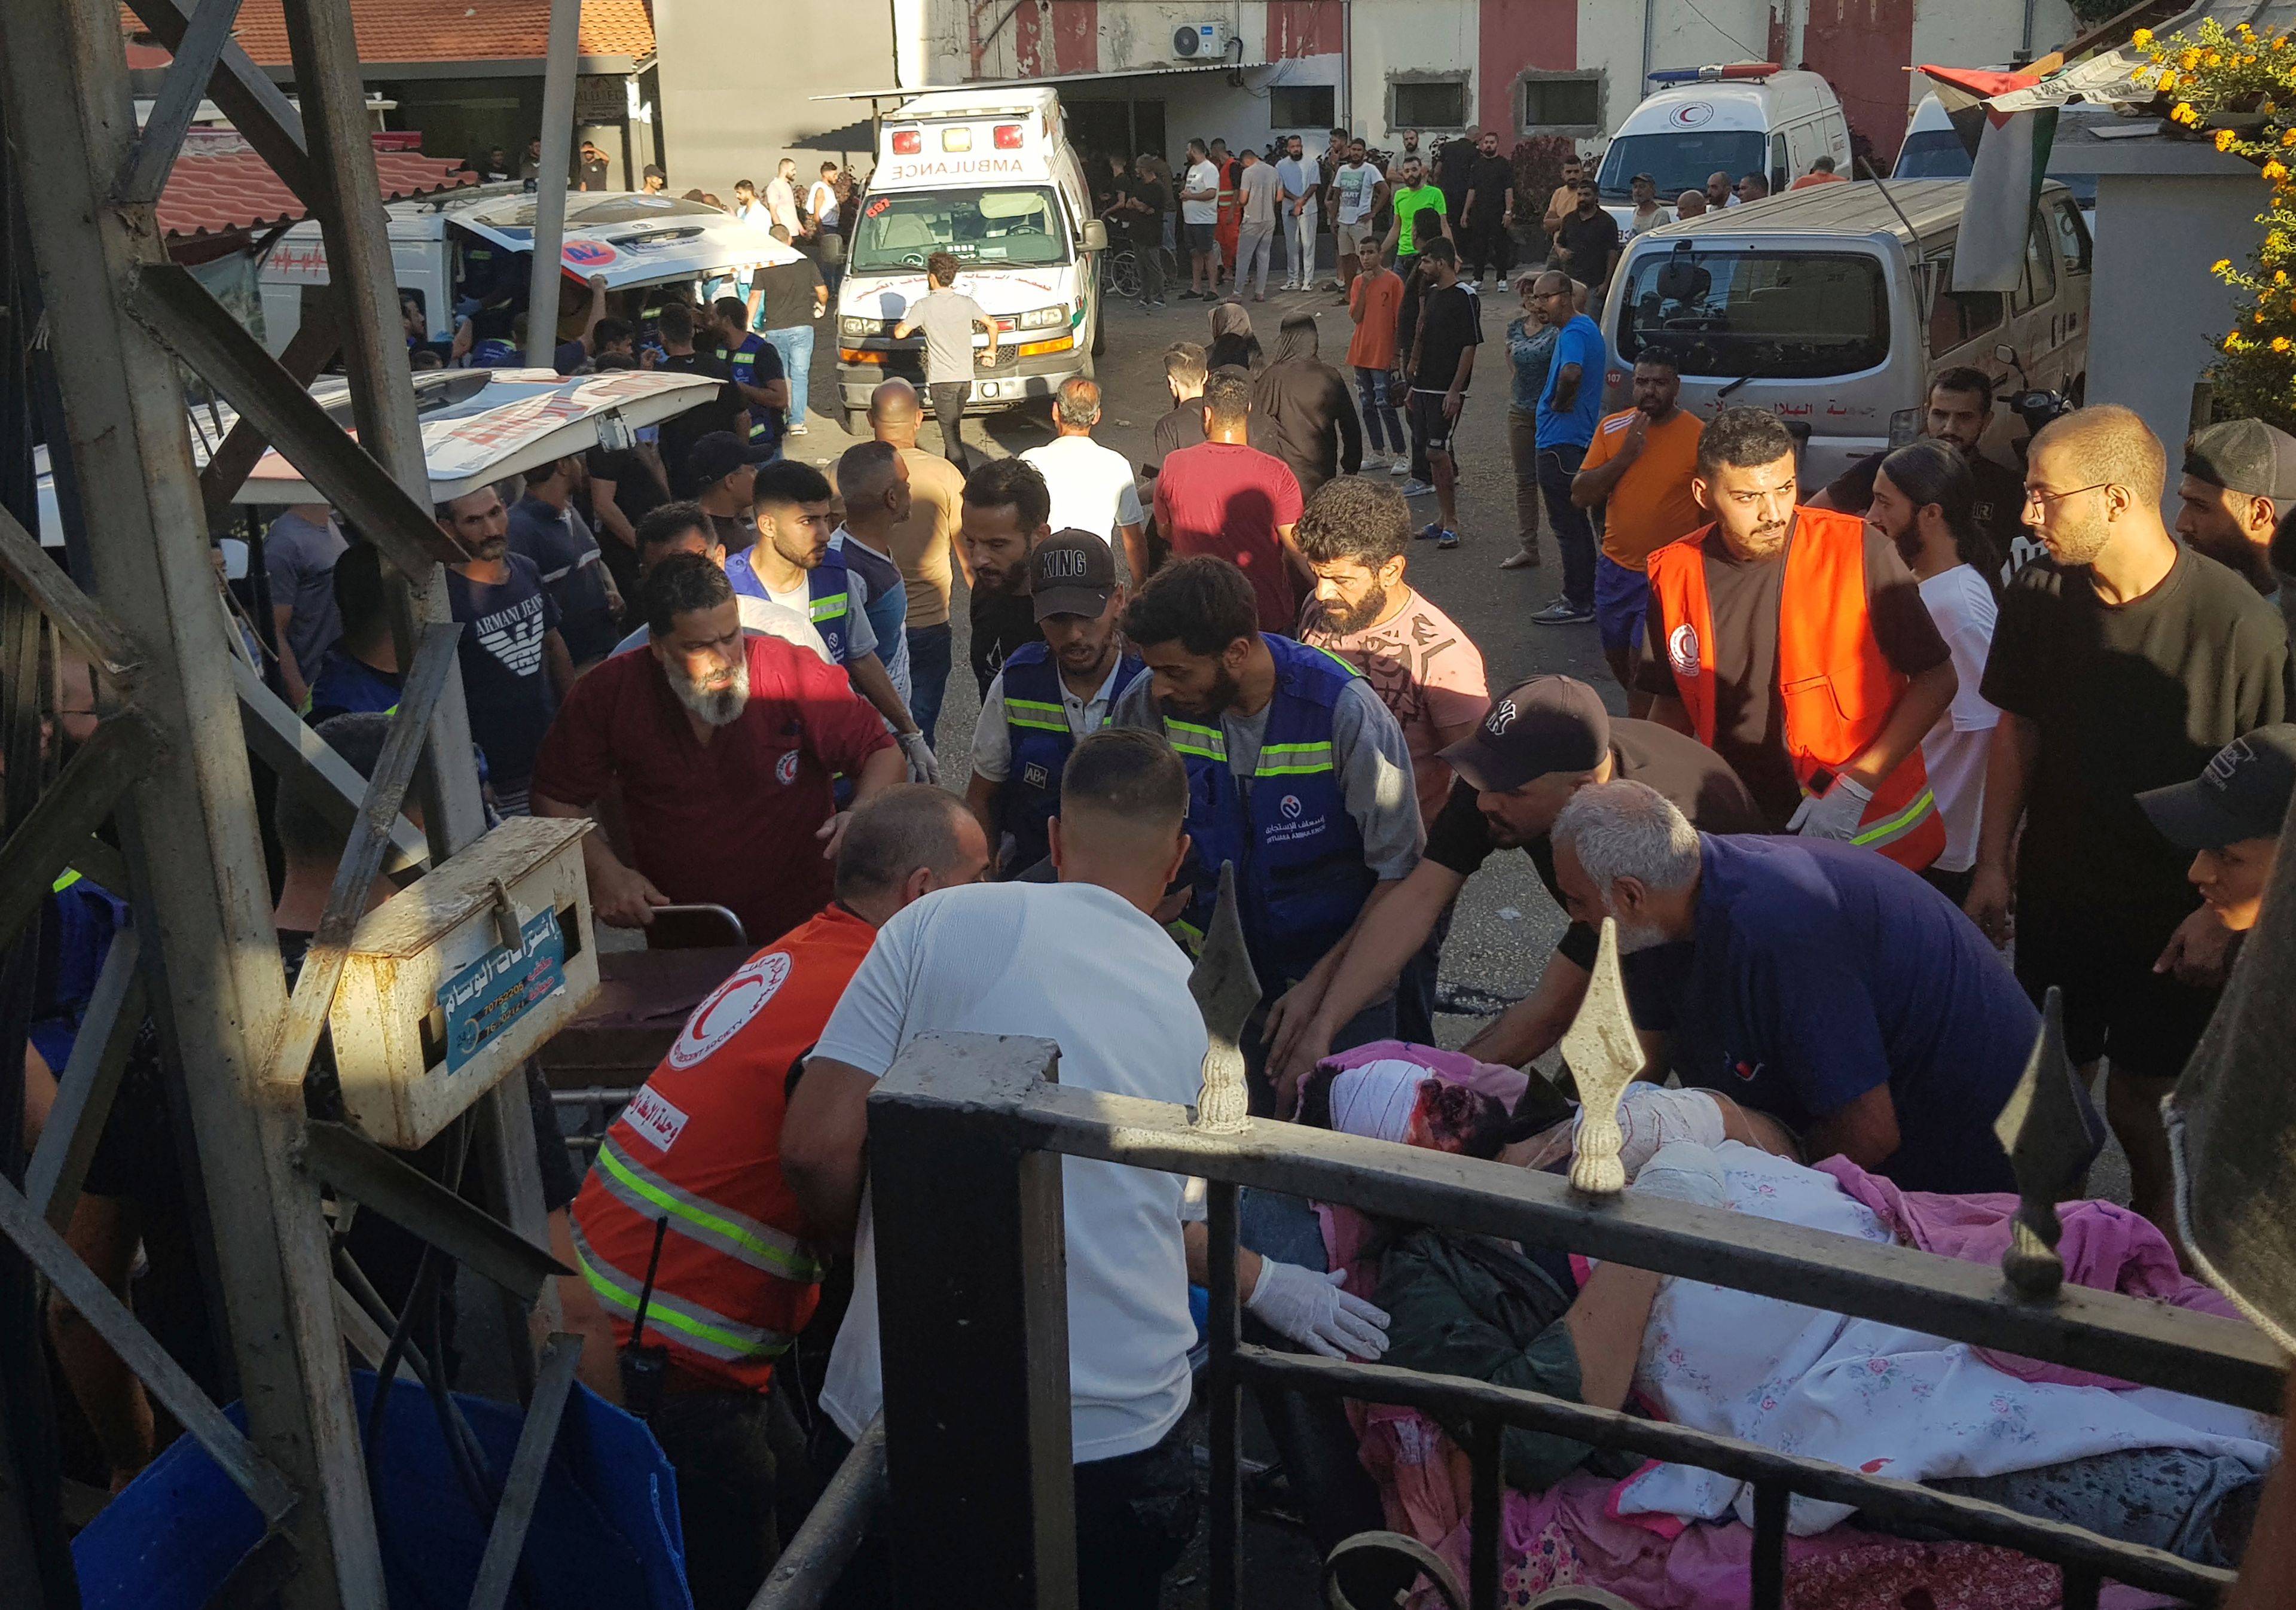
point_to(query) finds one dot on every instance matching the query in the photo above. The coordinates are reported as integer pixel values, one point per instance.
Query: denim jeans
(1382, 429)
(929, 649)
(1574, 533)
(795, 344)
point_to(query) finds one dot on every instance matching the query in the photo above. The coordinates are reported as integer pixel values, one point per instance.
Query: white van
(453, 249)
(987, 176)
(1829, 306)
(1747, 118)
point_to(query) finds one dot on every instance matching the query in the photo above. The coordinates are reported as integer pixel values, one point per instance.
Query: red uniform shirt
(1226, 498)
(731, 822)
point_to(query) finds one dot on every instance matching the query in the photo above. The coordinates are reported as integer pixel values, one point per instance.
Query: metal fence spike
(1226, 990)
(1605, 1056)
(2051, 1128)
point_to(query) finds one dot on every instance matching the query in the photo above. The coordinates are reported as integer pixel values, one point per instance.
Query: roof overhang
(899, 94)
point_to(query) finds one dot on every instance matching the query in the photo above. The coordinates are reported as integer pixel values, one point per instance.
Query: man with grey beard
(723, 746)
(1825, 985)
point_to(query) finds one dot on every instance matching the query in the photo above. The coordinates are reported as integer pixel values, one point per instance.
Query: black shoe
(1563, 612)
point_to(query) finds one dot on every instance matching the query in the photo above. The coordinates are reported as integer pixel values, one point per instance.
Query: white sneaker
(1373, 464)
(1401, 466)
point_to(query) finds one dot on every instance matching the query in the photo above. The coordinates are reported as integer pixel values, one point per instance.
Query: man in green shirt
(1414, 198)
(1421, 214)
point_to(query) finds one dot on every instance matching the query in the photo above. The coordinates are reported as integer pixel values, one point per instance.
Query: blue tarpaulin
(605, 1531)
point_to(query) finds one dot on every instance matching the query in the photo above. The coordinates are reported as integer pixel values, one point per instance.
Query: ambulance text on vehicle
(989, 176)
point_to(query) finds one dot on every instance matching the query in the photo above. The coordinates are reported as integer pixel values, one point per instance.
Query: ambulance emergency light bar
(1715, 75)
(910, 142)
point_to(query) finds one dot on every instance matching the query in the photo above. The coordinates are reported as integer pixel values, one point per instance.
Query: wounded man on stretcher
(2135, 1463)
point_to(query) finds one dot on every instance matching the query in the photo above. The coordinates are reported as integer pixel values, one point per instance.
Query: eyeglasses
(2034, 495)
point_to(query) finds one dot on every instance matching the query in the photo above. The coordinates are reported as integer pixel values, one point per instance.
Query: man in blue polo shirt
(1569, 409)
(1822, 984)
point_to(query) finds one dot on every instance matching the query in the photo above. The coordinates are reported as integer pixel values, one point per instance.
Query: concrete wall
(2154, 307)
(734, 98)
(728, 109)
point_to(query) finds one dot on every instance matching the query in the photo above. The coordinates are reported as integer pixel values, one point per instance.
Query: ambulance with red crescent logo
(987, 176)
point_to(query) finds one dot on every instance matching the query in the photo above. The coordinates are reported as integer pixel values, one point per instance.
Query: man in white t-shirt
(1302, 214)
(1082, 962)
(1924, 501)
(781, 198)
(1199, 213)
(1092, 485)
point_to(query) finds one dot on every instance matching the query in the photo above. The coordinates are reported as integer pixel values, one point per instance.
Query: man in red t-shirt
(722, 747)
(1234, 501)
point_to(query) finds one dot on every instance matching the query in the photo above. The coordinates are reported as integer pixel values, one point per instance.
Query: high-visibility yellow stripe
(1346, 665)
(1041, 716)
(64, 880)
(824, 609)
(734, 1234)
(700, 1328)
(1897, 826)
(1292, 759)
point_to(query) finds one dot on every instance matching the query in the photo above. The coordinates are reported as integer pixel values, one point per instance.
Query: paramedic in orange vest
(699, 1147)
(1794, 642)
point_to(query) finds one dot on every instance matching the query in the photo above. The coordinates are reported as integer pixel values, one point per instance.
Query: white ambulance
(989, 176)
(1749, 117)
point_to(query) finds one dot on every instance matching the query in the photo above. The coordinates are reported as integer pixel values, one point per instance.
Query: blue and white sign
(501, 987)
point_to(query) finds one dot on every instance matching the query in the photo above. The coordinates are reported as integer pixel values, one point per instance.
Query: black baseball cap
(2244, 456)
(1072, 573)
(1548, 724)
(2242, 793)
(715, 456)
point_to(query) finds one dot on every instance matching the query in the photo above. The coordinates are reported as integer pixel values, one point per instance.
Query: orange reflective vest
(1838, 688)
(700, 1145)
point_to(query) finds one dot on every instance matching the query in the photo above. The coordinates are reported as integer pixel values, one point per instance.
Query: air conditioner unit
(1200, 41)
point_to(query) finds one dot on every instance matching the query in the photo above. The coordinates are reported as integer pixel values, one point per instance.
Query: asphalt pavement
(1506, 923)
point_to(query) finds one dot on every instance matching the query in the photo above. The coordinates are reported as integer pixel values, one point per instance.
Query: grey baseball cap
(2242, 793)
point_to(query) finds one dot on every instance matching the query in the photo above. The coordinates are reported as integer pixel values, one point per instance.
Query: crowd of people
(1873, 733)
(1235, 669)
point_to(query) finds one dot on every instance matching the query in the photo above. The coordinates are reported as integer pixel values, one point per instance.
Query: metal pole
(200, 887)
(356, 233)
(550, 182)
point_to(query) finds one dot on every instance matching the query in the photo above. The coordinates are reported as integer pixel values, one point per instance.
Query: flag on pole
(2009, 157)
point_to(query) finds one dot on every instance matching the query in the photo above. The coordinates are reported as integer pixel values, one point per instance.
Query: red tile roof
(218, 184)
(449, 30)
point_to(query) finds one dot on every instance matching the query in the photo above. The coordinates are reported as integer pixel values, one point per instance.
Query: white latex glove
(923, 767)
(1651, 1115)
(1312, 1311)
(1683, 1170)
(1835, 814)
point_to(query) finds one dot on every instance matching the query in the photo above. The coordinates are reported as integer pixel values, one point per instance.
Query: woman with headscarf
(1310, 409)
(1234, 345)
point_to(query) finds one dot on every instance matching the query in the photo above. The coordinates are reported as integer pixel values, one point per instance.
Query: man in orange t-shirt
(1638, 471)
(1374, 299)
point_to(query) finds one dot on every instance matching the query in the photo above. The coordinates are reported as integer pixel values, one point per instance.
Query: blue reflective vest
(85, 918)
(1299, 870)
(828, 589)
(1036, 728)
(742, 361)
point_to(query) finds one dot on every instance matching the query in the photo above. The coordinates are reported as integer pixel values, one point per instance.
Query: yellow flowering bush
(2237, 88)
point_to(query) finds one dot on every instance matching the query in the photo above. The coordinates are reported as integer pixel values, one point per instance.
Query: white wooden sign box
(459, 977)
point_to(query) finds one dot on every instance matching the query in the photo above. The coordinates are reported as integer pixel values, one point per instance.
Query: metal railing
(964, 1134)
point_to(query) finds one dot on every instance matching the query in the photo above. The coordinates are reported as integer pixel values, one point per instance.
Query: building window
(1300, 106)
(1552, 102)
(1428, 103)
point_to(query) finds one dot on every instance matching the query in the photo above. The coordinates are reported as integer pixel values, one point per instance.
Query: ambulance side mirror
(1095, 236)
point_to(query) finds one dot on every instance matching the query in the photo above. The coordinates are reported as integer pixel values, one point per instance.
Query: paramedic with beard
(723, 746)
